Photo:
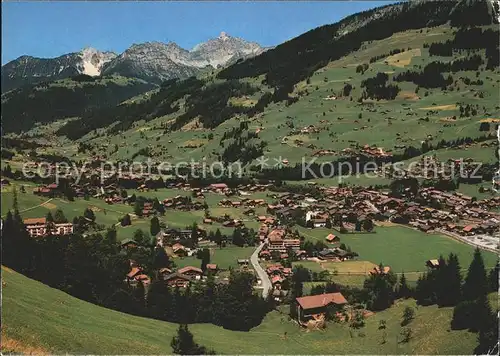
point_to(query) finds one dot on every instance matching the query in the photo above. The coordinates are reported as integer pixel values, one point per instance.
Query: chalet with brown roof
(319, 222)
(136, 276)
(312, 305)
(179, 250)
(336, 254)
(177, 279)
(191, 271)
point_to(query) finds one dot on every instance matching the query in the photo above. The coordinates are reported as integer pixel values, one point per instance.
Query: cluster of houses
(460, 214)
(374, 151)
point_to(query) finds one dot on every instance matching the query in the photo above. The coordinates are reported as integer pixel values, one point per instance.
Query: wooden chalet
(309, 306)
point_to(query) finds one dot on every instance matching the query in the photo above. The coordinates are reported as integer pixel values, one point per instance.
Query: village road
(266, 283)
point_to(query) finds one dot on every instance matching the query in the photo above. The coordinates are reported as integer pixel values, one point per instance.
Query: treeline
(376, 88)
(430, 77)
(471, 38)
(297, 59)
(45, 103)
(233, 306)
(93, 268)
(210, 103)
(244, 145)
(243, 150)
(157, 104)
(432, 74)
(471, 13)
(444, 286)
(468, 38)
(391, 53)
(19, 144)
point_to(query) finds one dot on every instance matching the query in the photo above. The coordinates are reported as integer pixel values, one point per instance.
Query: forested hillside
(49, 101)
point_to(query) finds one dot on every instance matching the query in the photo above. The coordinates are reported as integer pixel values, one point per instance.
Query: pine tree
(155, 226)
(49, 217)
(476, 283)
(161, 258)
(138, 208)
(403, 290)
(205, 258)
(111, 235)
(126, 220)
(89, 214)
(194, 235)
(452, 281)
(59, 217)
(15, 205)
(183, 343)
(488, 329)
(218, 238)
(493, 278)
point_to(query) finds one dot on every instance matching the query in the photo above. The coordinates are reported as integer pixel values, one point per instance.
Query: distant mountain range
(151, 61)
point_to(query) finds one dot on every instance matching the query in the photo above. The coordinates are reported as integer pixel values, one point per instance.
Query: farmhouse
(319, 222)
(177, 279)
(191, 272)
(335, 254)
(432, 263)
(179, 250)
(312, 305)
(332, 238)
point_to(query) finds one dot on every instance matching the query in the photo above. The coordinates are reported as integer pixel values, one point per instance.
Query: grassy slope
(404, 112)
(50, 320)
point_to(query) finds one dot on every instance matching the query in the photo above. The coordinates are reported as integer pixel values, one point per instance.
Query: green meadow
(40, 319)
(401, 248)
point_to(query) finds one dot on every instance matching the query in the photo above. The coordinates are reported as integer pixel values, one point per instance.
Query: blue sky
(49, 29)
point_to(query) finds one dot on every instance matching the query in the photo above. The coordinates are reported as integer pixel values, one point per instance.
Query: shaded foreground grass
(43, 318)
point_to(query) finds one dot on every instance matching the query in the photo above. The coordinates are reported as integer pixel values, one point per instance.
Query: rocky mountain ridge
(152, 61)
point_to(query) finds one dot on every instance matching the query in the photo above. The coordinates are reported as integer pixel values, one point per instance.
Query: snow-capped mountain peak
(93, 61)
(151, 61)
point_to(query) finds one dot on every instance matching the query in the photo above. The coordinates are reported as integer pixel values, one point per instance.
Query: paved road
(486, 242)
(266, 283)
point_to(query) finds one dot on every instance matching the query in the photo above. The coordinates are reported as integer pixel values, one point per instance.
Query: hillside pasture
(37, 316)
